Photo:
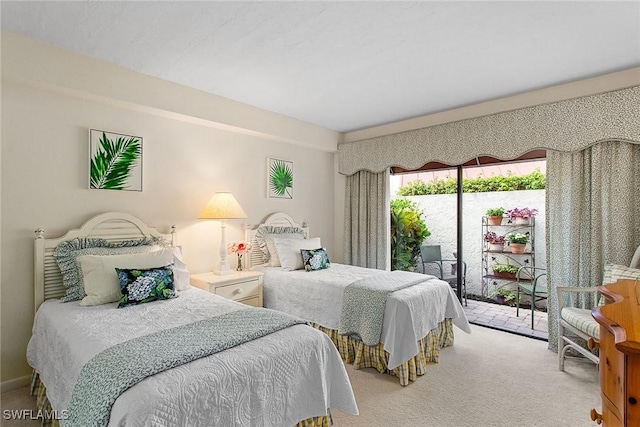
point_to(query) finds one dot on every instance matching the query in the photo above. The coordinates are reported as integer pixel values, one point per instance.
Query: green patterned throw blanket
(114, 370)
(364, 300)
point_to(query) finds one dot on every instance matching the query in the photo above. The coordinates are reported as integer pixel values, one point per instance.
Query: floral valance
(568, 125)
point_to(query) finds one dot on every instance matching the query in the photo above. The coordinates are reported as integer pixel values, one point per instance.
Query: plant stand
(515, 256)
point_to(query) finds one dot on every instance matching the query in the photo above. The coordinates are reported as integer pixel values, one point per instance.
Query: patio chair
(531, 282)
(432, 254)
(575, 319)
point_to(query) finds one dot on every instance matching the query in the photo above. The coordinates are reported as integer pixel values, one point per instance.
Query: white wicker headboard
(278, 219)
(112, 226)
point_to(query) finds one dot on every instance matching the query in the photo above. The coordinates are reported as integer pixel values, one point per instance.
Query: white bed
(410, 314)
(291, 375)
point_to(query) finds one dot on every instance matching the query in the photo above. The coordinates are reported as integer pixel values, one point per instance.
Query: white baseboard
(15, 383)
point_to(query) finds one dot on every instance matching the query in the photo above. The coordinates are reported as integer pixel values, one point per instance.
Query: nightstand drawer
(253, 301)
(241, 286)
(239, 291)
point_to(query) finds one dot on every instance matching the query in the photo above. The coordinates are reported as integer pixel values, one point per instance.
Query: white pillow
(289, 251)
(180, 272)
(274, 259)
(99, 275)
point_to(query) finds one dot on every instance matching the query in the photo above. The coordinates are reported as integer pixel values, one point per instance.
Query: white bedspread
(410, 313)
(277, 380)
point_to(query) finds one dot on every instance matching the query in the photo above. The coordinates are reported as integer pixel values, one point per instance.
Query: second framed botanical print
(279, 179)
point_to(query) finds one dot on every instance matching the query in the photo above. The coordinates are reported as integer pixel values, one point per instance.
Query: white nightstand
(241, 286)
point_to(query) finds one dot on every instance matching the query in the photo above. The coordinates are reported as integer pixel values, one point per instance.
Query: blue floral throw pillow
(139, 286)
(315, 259)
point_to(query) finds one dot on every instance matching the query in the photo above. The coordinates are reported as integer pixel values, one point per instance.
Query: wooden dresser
(619, 321)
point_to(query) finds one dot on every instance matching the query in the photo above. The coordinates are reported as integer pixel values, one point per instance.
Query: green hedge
(536, 180)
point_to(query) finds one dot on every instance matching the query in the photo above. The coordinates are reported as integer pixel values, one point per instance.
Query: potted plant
(495, 241)
(518, 242)
(504, 296)
(521, 216)
(494, 216)
(505, 271)
(408, 231)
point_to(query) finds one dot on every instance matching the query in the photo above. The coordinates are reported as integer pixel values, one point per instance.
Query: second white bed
(410, 314)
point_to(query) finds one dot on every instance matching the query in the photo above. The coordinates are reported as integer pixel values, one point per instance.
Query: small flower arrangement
(238, 248)
(525, 213)
(520, 238)
(492, 237)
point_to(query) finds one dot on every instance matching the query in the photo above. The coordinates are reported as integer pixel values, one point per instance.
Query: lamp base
(223, 270)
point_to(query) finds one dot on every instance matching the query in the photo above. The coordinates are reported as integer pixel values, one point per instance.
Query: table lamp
(222, 206)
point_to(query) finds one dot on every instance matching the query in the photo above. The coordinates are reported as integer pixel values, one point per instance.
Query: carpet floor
(487, 379)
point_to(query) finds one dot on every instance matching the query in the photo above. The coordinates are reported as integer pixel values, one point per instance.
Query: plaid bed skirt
(355, 352)
(40, 392)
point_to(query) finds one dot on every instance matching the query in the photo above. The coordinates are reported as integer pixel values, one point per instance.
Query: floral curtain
(366, 220)
(593, 201)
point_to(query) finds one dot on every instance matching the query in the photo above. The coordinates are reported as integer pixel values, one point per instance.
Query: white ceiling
(346, 65)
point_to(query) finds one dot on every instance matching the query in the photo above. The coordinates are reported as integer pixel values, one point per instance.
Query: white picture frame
(115, 161)
(280, 178)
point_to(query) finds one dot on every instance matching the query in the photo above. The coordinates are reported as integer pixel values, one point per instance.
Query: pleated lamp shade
(222, 206)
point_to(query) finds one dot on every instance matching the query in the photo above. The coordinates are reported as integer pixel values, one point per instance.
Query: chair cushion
(581, 319)
(614, 272)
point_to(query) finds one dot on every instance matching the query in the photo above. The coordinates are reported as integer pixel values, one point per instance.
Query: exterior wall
(440, 217)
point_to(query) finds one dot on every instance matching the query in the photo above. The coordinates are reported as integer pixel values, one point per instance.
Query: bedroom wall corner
(338, 213)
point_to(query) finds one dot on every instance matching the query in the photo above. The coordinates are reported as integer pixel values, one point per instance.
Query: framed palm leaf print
(115, 161)
(279, 179)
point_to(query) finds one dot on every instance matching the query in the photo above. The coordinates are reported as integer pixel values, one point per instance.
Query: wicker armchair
(577, 329)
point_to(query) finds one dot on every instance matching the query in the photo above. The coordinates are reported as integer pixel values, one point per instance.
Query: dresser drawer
(633, 390)
(239, 291)
(612, 380)
(610, 414)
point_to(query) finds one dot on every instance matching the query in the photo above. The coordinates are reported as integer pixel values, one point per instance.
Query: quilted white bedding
(277, 380)
(410, 313)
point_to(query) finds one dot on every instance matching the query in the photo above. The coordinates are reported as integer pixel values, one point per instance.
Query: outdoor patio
(503, 317)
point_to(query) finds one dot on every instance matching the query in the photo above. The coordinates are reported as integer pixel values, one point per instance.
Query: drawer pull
(237, 291)
(595, 416)
(632, 400)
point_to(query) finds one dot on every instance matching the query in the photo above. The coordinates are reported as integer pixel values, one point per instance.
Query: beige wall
(45, 123)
